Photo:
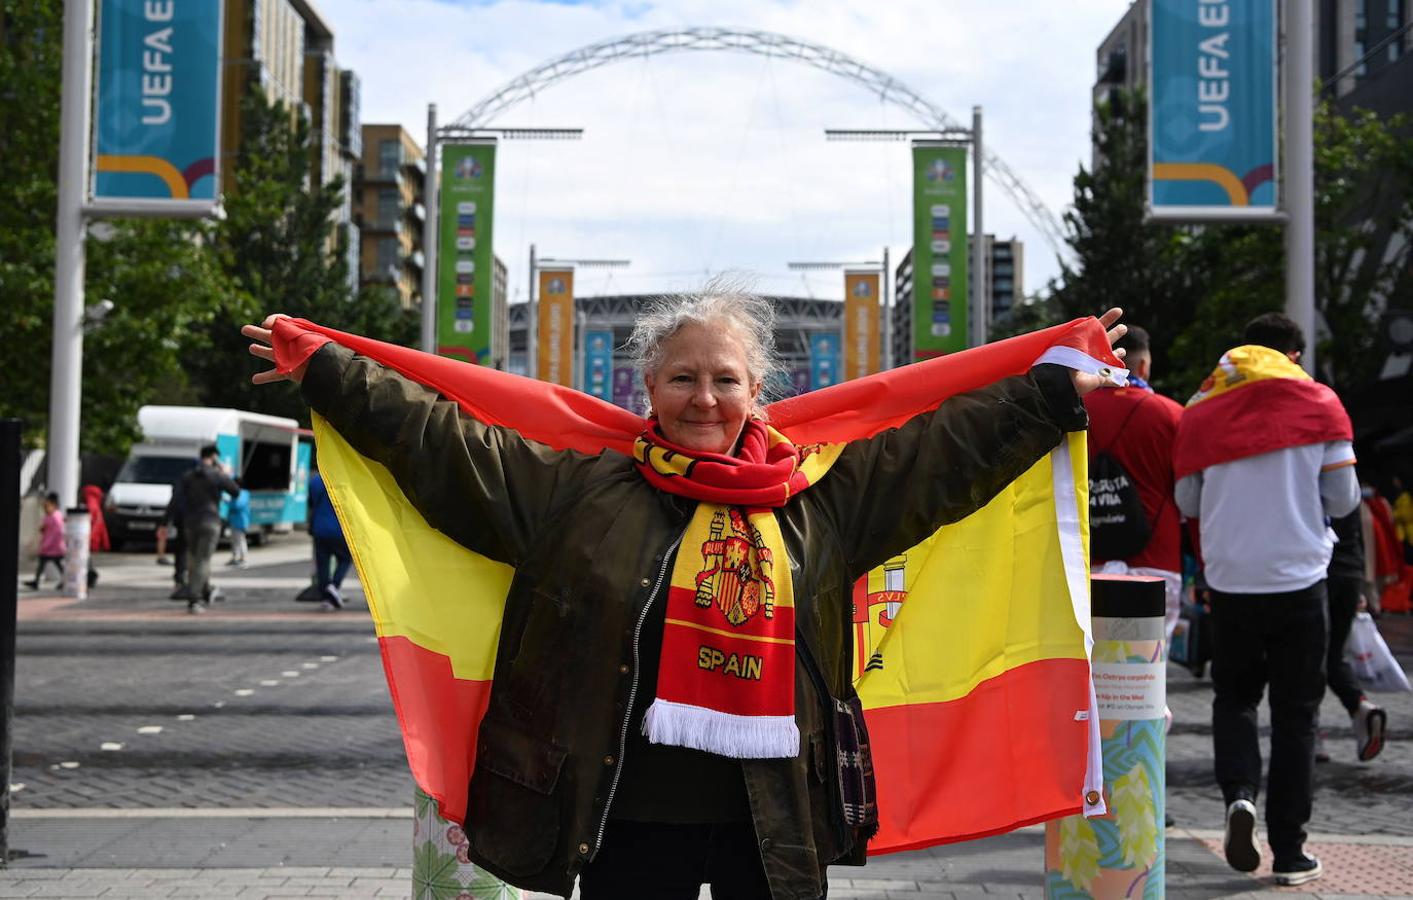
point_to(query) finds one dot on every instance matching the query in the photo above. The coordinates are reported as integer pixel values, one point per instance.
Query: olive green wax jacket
(592, 543)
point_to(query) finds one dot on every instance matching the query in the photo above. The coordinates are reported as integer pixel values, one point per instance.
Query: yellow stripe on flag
(983, 596)
(420, 584)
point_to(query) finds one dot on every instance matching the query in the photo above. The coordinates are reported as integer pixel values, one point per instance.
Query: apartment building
(389, 210)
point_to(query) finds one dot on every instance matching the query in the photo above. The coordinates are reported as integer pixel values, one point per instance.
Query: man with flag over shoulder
(1263, 459)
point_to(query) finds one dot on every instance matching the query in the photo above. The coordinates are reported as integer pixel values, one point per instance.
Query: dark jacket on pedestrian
(201, 490)
(587, 537)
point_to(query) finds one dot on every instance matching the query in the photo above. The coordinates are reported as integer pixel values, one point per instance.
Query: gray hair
(723, 299)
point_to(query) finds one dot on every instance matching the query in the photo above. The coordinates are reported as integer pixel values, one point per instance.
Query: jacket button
(623, 669)
(645, 582)
(583, 849)
(608, 760)
(766, 843)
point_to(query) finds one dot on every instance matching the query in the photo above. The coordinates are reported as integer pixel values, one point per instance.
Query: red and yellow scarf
(726, 682)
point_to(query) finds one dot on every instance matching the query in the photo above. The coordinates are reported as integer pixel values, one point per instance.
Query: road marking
(150, 729)
(328, 659)
(270, 682)
(309, 665)
(185, 717)
(244, 692)
(250, 812)
(290, 673)
(110, 745)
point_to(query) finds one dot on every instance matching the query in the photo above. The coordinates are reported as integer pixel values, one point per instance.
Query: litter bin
(1121, 854)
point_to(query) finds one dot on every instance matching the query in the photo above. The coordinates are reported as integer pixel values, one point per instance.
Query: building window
(389, 207)
(388, 256)
(389, 158)
(1361, 17)
(1393, 52)
(1395, 14)
(1363, 68)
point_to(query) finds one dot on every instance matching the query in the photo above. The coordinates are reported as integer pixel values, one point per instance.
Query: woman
(594, 758)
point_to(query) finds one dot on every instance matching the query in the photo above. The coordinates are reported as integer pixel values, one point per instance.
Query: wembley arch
(761, 43)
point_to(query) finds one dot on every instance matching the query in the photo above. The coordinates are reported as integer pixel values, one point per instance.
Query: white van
(265, 452)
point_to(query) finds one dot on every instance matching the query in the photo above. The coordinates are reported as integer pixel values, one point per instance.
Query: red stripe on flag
(440, 715)
(1008, 754)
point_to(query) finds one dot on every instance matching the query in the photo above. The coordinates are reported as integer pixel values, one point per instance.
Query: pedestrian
(332, 558)
(1131, 434)
(1263, 456)
(51, 540)
(1348, 587)
(200, 491)
(701, 792)
(98, 538)
(238, 521)
(170, 538)
(1403, 517)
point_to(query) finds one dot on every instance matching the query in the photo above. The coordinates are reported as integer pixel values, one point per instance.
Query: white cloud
(696, 162)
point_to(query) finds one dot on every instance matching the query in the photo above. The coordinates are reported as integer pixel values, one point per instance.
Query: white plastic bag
(1374, 665)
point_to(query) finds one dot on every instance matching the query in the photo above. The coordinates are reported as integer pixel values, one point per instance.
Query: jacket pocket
(512, 809)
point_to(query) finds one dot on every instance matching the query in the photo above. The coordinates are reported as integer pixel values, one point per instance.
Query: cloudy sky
(694, 163)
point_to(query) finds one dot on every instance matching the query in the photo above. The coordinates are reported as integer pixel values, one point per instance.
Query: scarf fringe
(725, 734)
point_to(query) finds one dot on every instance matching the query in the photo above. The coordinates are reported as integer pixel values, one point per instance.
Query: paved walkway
(262, 704)
(363, 853)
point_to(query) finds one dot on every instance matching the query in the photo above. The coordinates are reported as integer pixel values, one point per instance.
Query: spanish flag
(972, 648)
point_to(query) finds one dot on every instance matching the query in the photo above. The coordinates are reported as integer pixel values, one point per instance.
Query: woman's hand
(1083, 381)
(264, 348)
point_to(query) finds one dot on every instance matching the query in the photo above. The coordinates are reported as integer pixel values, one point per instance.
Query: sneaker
(328, 606)
(232, 562)
(1369, 724)
(164, 560)
(215, 595)
(32, 584)
(196, 607)
(182, 593)
(1302, 869)
(333, 596)
(1242, 849)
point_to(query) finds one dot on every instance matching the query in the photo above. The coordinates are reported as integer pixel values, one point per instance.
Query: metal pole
(532, 324)
(1300, 173)
(9, 605)
(431, 195)
(581, 322)
(66, 361)
(981, 310)
(887, 312)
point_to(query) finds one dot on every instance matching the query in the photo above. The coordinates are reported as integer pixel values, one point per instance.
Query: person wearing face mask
(624, 565)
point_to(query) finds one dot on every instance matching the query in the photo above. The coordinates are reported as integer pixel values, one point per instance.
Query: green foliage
(29, 145)
(1195, 287)
(282, 253)
(1134, 809)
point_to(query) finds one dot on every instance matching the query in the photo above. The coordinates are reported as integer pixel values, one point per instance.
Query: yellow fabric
(995, 596)
(425, 586)
(1245, 365)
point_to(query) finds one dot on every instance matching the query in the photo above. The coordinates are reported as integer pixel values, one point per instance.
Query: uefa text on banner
(465, 263)
(1212, 122)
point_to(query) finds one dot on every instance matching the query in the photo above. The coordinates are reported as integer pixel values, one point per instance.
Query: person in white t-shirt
(1266, 546)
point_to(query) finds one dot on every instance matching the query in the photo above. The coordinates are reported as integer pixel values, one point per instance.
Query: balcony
(416, 166)
(415, 260)
(417, 212)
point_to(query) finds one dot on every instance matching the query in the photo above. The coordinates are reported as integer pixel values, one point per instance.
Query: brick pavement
(244, 723)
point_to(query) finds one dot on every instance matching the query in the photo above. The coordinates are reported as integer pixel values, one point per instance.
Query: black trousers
(1277, 640)
(1344, 602)
(662, 861)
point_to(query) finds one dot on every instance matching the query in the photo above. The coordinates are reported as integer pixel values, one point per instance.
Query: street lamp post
(1300, 173)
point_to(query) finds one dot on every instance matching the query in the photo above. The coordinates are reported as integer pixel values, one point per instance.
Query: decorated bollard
(76, 530)
(1121, 854)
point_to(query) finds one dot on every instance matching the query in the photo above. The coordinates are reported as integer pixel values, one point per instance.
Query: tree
(1194, 287)
(280, 247)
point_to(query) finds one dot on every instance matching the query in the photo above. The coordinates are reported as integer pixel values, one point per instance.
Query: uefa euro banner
(1212, 120)
(972, 647)
(939, 249)
(465, 260)
(554, 354)
(598, 364)
(158, 98)
(861, 334)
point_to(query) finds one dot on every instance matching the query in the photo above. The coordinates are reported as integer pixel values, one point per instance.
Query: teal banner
(939, 249)
(598, 364)
(1212, 121)
(465, 262)
(158, 98)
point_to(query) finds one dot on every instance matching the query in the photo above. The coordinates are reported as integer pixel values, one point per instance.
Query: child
(51, 540)
(238, 518)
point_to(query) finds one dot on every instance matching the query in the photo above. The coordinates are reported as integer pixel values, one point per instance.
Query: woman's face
(702, 390)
